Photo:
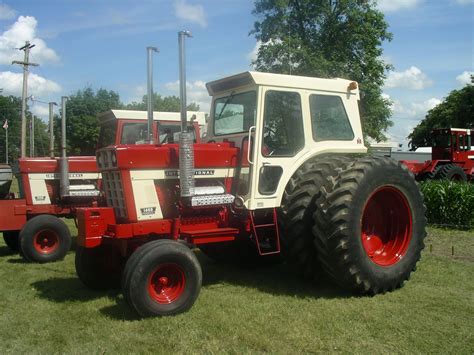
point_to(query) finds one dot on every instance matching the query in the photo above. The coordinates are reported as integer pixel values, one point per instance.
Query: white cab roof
(143, 115)
(280, 80)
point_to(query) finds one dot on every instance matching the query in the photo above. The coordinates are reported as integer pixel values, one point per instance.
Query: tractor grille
(112, 184)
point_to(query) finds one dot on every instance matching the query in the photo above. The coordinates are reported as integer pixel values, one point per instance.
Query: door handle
(250, 144)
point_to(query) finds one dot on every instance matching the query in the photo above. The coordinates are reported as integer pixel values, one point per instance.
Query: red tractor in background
(282, 171)
(452, 157)
(31, 222)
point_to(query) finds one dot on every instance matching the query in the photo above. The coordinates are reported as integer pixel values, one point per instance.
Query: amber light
(352, 86)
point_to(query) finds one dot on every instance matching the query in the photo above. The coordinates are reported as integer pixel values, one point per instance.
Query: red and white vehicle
(281, 171)
(452, 157)
(31, 221)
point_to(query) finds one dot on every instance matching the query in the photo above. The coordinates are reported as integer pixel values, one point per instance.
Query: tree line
(82, 130)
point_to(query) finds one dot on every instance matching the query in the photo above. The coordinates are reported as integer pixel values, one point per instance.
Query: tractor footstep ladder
(266, 233)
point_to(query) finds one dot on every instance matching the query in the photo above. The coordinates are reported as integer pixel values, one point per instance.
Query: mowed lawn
(45, 309)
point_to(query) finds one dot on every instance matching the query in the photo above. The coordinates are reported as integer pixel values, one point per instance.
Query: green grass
(45, 309)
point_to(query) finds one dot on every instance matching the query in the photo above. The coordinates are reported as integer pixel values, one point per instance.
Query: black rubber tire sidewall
(386, 278)
(171, 252)
(132, 262)
(450, 170)
(35, 225)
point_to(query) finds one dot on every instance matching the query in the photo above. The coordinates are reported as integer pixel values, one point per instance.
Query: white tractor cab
(130, 127)
(296, 118)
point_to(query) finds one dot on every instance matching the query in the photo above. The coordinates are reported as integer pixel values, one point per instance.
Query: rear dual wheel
(370, 226)
(162, 278)
(298, 207)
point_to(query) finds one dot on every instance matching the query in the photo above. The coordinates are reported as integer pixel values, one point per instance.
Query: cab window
(234, 113)
(134, 133)
(283, 134)
(329, 119)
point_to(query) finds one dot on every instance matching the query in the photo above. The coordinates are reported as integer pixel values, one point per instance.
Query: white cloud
(190, 13)
(39, 109)
(412, 78)
(38, 86)
(252, 55)
(196, 92)
(396, 5)
(464, 78)
(24, 29)
(414, 110)
(465, 2)
(6, 12)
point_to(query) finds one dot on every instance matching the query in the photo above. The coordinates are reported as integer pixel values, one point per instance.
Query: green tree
(82, 130)
(162, 103)
(10, 109)
(328, 38)
(457, 110)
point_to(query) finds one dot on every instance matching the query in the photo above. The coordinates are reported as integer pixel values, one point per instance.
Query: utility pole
(26, 63)
(51, 129)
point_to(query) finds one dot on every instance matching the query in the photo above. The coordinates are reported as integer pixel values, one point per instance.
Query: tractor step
(202, 236)
(266, 234)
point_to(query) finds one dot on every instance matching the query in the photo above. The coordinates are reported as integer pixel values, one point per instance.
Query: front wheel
(371, 226)
(45, 238)
(165, 280)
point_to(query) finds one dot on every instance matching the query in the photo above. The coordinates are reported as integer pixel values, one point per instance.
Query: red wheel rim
(166, 283)
(46, 241)
(386, 226)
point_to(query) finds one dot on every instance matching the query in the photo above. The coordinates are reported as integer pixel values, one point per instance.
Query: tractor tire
(165, 281)
(44, 239)
(11, 239)
(371, 225)
(297, 209)
(99, 268)
(451, 172)
(429, 176)
(132, 262)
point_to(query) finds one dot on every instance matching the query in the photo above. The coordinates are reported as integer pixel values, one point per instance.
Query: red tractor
(51, 187)
(282, 171)
(452, 157)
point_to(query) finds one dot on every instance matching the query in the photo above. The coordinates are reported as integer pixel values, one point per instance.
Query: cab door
(279, 141)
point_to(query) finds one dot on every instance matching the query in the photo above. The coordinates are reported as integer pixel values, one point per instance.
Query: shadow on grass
(68, 289)
(120, 311)
(273, 279)
(6, 251)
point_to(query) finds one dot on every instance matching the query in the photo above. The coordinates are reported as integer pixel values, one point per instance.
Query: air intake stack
(186, 138)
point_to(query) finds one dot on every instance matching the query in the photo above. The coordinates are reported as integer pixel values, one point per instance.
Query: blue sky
(102, 44)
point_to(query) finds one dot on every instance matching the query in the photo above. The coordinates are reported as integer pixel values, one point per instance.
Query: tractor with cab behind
(283, 170)
(53, 187)
(452, 157)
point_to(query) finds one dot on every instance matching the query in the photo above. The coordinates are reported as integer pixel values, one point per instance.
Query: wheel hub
(386, 226)
(46, 241)
(166, 284)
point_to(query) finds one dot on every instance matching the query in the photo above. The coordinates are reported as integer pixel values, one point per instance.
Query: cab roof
(143, 115)
(250, 78)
